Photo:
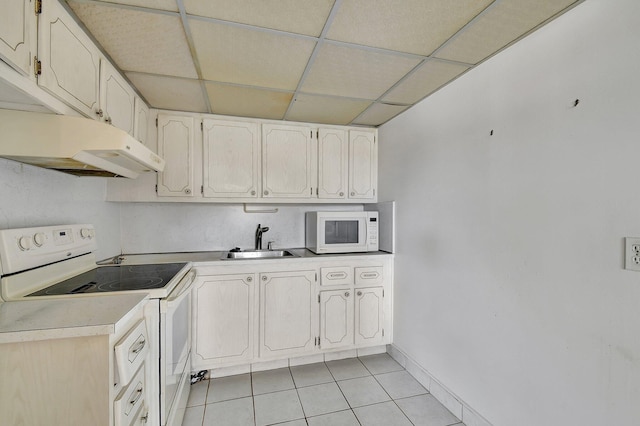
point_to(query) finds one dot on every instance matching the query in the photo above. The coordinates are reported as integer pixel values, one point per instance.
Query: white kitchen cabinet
(369, 316)
(336, 318)
(176, 144)
(363, 165)
(141, 122)
(288, 160)
(231, 159)
(69, 60)
(117, 100)
(18, 29)
(288, 313)
(223, 320)
(333, 156)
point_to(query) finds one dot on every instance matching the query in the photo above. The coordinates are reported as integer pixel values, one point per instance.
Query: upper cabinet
(117, 100)
(176, 144)
(69, 61)
(18, 29)
(231, 159)
(141, 122)
(333, 160)
(287, 161)
(363, 165)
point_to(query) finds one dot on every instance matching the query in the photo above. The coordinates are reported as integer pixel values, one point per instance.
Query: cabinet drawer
(370, 275)
(339, 275)
(130, 401)
(131, 351)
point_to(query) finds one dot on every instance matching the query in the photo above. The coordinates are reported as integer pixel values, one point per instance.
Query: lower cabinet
(288, 314)
(223, 319)
(260, 312)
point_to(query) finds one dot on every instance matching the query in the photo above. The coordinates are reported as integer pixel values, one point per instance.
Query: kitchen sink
(258, 254)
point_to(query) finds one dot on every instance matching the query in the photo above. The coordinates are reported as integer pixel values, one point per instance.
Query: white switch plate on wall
(632, 253)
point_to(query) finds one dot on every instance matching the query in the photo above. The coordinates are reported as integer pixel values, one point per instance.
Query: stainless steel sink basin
(258, 254)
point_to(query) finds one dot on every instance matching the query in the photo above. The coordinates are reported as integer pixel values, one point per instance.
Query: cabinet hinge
(383, 332)
(311, 134)
(382, 292)
(156, 189)
(202, 189)
(156, 122)
(318, 298)
(38, 7)
(374, 192)
(317, 134)
(37, 66)
(311, 191)
(202, 126)
(317, 281)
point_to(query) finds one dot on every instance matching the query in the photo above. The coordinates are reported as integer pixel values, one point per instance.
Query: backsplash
(171, 227)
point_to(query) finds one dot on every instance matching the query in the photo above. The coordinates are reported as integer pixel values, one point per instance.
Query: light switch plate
(632, 253)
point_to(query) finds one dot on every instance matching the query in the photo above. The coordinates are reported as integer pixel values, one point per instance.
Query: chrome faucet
(259, 233)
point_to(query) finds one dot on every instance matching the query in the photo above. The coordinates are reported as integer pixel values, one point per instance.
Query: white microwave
(341, 232)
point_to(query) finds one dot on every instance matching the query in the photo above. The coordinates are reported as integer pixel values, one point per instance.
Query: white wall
(170, 227)
(510, 287)
(32, 196)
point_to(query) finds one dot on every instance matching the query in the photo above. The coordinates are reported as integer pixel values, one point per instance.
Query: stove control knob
(24, 243)
(39, 239)
(86, 233)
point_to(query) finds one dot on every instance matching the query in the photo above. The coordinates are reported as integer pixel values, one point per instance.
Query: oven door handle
(182, 287)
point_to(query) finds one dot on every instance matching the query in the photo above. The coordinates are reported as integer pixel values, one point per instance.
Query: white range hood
(74, 145)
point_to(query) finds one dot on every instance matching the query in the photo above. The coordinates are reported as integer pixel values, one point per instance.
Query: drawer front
(370, 275)
(339, 275)
(131, 351)
(130, 401)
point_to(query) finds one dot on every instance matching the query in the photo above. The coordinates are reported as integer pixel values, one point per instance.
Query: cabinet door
(117, 100)
(369, 317)
(287, 161)
(288, 313)
(223, 320)
(363, 165)
(141, 122)
(18, 34)
(231, 159)
(336, 319)
(70, 61)
(176, 144)
(332, 163)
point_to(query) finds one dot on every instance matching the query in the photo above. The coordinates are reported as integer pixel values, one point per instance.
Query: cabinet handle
(264, 278)
(253, 192)
(369, 275)
(140, 346)
(138, 395)
(353, 193)
(266, 192)
(359, 293)
(249, 279)
(99, 113)
(342, 194)
(145, 417)
(187, 191)
(347, 294)
(337, 275)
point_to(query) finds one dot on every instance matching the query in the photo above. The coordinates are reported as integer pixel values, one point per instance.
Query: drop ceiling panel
(151, 4)
(426, 79)
(355, 73)
(248, 102)
(378, 114)
(414, 26)
(139, 41)
(296, 16)
(324, 109)
(502, 24)
(170, 92)
(250, 57)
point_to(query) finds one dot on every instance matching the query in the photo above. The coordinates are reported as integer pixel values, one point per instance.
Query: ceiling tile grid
(359, 62)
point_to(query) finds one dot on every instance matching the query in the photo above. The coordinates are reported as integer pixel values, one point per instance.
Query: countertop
(29, 320)
(204, 257)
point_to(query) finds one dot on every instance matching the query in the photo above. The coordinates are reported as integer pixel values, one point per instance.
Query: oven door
(175, 341)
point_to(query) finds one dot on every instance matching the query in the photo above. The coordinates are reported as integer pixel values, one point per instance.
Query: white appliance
(75, 145)
(59, 261)
(341, 232)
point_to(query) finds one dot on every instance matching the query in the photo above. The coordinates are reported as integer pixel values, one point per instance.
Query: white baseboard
(457, 406)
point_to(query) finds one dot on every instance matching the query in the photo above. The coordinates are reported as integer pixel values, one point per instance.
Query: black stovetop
(115, 278)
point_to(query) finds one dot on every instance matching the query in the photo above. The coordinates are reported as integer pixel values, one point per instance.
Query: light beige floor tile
(322, 399)
(363, 391)
(193, 416)
(341, 418)
(380, 363)
(236, 412)
(384, 414)
(399, 384)
(347, 369)
(226, 388)
(198, 393)
(271, 381)
(277, 407)
(425, 410)
(311, 374)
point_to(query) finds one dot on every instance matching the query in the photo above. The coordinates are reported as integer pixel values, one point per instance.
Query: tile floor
(369, 391)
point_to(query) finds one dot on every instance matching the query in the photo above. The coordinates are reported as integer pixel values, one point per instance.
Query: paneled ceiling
(358, 62)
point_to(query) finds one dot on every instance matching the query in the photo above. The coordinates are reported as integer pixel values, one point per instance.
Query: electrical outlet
(632, 254)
